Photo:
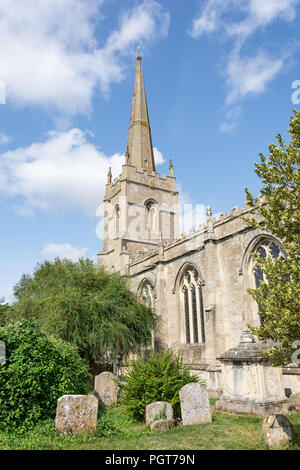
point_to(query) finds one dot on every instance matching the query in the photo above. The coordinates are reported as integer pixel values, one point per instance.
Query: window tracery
(266, 248)
(192, 301)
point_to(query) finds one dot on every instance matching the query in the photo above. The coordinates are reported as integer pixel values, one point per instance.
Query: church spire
(139, 147)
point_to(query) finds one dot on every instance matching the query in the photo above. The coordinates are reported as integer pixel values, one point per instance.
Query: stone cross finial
(109, 176)
(127, 156)
(210, 223)
(171, 168)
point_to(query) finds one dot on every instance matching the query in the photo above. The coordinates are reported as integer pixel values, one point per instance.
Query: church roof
(139, 150)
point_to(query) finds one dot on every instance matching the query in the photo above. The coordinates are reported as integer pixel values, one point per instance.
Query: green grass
(116, 431)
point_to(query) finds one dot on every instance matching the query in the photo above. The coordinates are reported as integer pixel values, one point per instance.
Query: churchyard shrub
(158, 378)
(38, 370)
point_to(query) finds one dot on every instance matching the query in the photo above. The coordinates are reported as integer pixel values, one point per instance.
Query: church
(197, 282)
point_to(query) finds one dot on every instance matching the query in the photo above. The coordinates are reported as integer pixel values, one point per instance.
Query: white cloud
(63, 250)
(232, 119)
(147, 21)
(259, 14)
(240, 17)
(63, 172)
(4, 139)
(208, 20)
(237, 20)
(267, 10)
(158, 156)
(50, 55)
(250, 75)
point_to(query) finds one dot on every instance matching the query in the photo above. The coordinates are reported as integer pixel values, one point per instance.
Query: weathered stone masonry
(196, 282)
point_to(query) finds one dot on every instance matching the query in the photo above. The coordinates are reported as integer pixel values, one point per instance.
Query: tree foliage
(279, 206)
(5, 311)
(38, 370)
(88, 307)
(157, 378)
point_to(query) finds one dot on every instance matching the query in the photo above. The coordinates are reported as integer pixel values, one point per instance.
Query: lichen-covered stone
(161, 425)
(76, 414)
(278, 430)
(157, 411)
(106, 388)
(250, 383)
(194, 404)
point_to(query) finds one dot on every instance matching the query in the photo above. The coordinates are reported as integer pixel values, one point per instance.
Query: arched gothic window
(150, 216)
(266, 248)
(192, 304)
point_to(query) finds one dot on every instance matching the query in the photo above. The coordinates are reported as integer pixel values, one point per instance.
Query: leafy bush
(106, 426)
(38, 370)
(159, 378)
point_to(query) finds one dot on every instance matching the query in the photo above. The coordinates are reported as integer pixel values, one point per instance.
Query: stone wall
(224, 265)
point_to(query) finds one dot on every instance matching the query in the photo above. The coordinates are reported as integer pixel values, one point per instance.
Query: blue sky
(218, 76)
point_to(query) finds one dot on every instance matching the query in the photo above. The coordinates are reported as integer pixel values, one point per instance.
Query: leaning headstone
(194, 404)
(106, 388)
(278, 430)
(158, 411)
(76, 414)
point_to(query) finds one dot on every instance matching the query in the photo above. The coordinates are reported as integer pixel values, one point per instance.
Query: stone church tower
(197, 282)
(140, 207)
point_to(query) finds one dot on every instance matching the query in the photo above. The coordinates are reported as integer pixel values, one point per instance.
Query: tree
(88, 307)
(5, 311)
(279, 207)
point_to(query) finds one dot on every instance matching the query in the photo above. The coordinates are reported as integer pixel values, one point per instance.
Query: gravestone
(76, 414)
(2, 352)
(106, 388)
(194, 404)
(278, 430)
(158, 411)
